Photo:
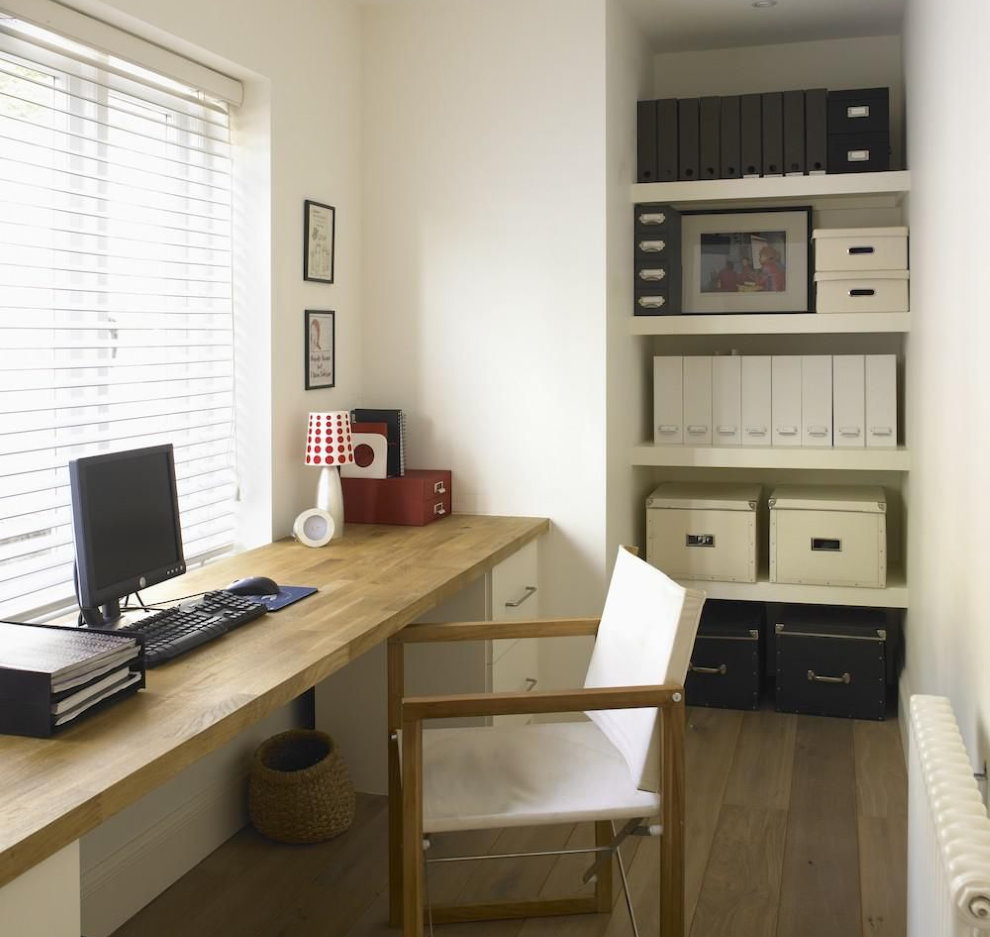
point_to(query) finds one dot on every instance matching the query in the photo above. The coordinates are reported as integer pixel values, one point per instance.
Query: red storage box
(416, 498)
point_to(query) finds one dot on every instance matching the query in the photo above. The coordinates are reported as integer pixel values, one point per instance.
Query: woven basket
(299, 790)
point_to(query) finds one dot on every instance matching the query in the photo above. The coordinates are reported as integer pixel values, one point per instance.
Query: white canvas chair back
(645, 638)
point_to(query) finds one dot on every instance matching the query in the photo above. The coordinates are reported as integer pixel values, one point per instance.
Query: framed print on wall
(319, 223)
(747, 261)
(320, 349)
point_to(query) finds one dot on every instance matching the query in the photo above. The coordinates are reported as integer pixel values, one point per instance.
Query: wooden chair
(625, 763)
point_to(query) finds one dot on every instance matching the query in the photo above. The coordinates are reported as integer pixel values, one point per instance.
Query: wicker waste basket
(299, 789)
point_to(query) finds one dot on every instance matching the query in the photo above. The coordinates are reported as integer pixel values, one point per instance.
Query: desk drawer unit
(832, 662)
(726, 666)
(698, 531)
(829, 535)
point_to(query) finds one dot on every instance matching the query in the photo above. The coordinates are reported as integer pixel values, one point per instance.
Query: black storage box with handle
(726, 666)
(833, 661)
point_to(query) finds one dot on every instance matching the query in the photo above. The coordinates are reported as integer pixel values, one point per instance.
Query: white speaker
(314, 528)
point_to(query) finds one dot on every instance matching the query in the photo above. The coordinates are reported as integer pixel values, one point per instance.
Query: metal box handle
(720, 670)
(826, 544)
(700, 540)
(819, 678)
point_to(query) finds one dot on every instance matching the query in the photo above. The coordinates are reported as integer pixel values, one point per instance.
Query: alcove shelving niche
(876, 199)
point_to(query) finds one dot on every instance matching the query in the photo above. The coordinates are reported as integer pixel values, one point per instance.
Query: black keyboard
(173, 631)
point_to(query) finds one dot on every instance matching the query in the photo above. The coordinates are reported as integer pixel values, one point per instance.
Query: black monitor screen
(126, 523)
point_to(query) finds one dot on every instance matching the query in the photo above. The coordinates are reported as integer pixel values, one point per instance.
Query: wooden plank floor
(796, 828)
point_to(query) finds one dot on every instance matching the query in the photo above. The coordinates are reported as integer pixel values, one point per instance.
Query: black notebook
(395, 421)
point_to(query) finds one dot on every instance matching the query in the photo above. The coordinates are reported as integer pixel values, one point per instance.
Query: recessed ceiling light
(763, 4)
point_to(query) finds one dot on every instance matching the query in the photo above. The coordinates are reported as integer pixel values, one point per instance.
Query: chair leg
(672, 916)
(604, 836)
(412, 829)
(626, 892)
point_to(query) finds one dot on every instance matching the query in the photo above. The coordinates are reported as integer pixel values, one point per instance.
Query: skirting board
(134, 856)
(116, 888)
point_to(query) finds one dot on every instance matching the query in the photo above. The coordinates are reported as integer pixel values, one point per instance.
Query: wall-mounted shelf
(895, 595)
(768, 457)
(802, 323)
(887, 187)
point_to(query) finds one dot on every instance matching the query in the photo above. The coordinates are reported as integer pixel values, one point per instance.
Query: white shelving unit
(767, 457)
(837, 201)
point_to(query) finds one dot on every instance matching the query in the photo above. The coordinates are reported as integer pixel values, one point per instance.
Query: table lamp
(328, 446)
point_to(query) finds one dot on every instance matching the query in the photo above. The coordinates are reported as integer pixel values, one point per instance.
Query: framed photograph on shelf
(318, 226)
(320, 349)
(747, 261)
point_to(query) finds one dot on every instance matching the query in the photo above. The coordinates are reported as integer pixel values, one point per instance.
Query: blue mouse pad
(286, 596)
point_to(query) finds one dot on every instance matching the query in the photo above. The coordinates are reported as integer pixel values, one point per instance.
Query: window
(116, 317)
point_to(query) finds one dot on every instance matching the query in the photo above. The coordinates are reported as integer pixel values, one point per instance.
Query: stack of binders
(49, 676)
(774, 133)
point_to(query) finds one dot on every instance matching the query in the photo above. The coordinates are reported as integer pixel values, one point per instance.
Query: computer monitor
(125, 523)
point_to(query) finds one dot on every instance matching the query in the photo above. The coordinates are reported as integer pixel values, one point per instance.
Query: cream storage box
(870, 291)
(703, 531)
(833, 535)
(857, 250)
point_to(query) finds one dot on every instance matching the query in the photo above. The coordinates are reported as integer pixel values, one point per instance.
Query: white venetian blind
(116, 320)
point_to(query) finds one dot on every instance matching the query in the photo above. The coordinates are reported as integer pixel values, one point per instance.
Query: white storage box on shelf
(873, 291)
(852, 250)
(861, 269)
(828, 535)
(703, 531)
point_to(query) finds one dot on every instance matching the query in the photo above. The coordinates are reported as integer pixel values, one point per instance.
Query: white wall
(948, 381)
(301, 64)
(629, 78)
(484, 251)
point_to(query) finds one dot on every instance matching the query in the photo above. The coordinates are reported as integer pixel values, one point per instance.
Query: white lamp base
(330, 498)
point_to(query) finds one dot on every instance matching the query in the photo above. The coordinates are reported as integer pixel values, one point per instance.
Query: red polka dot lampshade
(328, 441)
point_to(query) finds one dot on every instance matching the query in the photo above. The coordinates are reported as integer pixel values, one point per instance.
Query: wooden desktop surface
(371, 582)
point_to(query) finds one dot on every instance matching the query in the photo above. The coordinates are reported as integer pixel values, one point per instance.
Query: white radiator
(948, 829)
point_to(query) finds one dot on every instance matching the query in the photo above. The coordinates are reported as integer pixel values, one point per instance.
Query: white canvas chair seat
(500, 776)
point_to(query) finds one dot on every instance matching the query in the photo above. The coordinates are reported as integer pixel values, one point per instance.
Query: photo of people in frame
(743, 262)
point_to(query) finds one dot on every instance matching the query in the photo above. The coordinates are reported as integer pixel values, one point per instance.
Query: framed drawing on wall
(319, 223)
(320, 349)
(746, 261)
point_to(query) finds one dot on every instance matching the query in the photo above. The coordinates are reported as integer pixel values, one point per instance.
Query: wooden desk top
(372, 582)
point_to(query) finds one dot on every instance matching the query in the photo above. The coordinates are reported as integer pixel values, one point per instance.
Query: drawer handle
(652, 247)
(528, 591)
(720, 670)
(817, 430)
(858, 110)
(819, 678)
(857, 156)
(438, 509)
(826, 545)
(652, 217)
(530, 683)
(697, 429)
(756, 431)
(787, 430)
(438, 488)
(861, 250)
(862, 292)
(652, 273)
(668, 428)
(699, 540)
(727, 431)
(881, 430)
(848, 430)
(650, 302)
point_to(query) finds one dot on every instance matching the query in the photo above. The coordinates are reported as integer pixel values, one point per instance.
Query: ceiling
(687, 25)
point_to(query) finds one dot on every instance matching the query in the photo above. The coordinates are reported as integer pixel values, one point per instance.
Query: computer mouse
(254, 585)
